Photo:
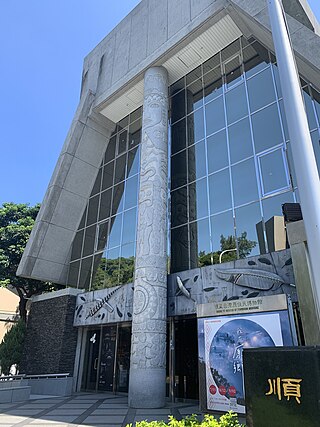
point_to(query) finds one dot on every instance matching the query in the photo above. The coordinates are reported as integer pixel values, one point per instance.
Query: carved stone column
(148, 346)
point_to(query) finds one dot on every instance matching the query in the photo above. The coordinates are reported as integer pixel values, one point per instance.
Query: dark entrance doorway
(107, 359)
(186, 358)
(91, 359)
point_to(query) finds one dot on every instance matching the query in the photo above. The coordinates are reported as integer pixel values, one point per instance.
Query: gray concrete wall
(155, 27)
(47, 253)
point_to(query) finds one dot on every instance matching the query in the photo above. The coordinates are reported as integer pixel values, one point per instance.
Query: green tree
(245, 247)
(16, 222)
(12, 346)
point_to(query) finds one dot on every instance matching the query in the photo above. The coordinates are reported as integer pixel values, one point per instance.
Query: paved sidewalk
(85, 410)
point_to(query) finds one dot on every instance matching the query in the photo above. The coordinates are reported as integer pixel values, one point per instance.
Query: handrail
(11, 377)
(47, 376)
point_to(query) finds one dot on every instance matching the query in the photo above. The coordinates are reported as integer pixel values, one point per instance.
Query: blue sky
(42, 50)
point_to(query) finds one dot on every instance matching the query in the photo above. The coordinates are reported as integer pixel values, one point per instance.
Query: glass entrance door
(89, 378)
(107, 359)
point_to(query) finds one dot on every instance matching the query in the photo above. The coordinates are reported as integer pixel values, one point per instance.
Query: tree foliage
(16, 222)
(12, 346)
(108, 274)
(245, 247)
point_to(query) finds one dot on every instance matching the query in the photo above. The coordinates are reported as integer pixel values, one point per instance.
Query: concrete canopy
(176, 34)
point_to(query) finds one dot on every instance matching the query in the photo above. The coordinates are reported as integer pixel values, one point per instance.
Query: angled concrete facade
(169, 166)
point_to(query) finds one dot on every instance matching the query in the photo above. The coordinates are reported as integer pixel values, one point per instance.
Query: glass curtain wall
(231, 166)
(103, 250)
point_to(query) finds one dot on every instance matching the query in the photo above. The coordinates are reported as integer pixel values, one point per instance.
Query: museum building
(168, 195)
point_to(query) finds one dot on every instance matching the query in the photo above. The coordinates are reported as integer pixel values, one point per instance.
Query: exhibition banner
(225, 337)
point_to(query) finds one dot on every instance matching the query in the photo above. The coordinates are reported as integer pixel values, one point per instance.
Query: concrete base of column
(142, 390)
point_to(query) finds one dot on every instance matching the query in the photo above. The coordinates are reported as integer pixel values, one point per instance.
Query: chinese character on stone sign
(290, 388)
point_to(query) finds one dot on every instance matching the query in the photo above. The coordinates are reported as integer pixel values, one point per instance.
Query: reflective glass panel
(316, 100)
(133, 161)
(115, 231)
(219, 191)
(277, 80)
(120, 169)
(316, 146)
(221, 225)
(266, 136)
(194, 75)
(105, 204)
(309, 109)
(112, 267)
(284, 120)
(246, 219)
(179, 207)
(198, 199)
(217, 151)
(129, 226)
(122, 143)
(212, 63)
(178, 136)
(98, 276)
(111, 150)
(244, 182)
(196, 161)
(77, 245)
(179, 169)
(261, 90)
(127, 264)
(136, 114)
(273, 171)
(213, 85)
(107, 177)
(240, 141)
(272, 206)
(89, 240)
(233, 71)
(199, 233)
(215, 116)
(73, 274)
(85, 273)
(292, 172)
(103, 229)
(93, 210)
(195, 124)
(134, 134)
(131, 196)
(178, 106)
(83, 219)
(179, 249)
(97, 184)
(236, 104)
(117, 200)
(194, 96)
(254, 65)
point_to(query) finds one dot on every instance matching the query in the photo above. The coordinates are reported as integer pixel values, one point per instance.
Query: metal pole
(302, 150)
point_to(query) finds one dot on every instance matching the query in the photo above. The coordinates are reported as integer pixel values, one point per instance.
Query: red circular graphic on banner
(222, 390)
(232, 391)
(213, 389)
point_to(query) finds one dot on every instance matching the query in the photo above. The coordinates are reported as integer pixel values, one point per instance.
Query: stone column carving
(148, 347)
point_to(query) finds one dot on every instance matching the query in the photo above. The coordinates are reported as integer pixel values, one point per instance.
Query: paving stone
(102, 419)
(75, 405)
(10, 419)
(159, 411)
(110, 411)
(37, 405)
(69, 411)
(24, 412)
